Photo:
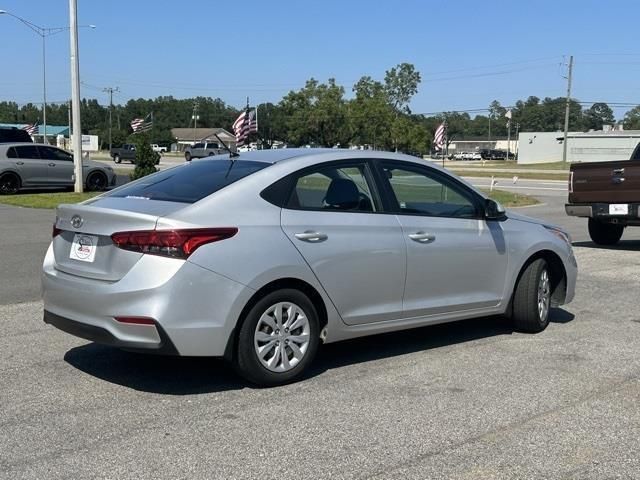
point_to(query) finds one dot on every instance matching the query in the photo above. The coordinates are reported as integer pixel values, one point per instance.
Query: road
(471, 400)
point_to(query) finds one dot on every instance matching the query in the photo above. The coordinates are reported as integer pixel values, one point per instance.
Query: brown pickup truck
(608, 194)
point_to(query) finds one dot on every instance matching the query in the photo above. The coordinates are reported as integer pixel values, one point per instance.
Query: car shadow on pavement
(624, 245)
(196, 375)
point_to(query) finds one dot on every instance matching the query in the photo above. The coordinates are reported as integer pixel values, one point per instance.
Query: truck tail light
(570, 182)
(170, 243)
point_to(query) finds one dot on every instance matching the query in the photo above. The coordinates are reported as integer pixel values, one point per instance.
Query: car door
(60, 165)
(33, 170)
(333, 217)
(456, 260)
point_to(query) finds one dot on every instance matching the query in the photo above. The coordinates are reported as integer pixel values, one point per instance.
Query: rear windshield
(190, 182)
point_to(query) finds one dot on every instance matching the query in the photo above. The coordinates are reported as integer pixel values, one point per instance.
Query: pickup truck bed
(608, 194)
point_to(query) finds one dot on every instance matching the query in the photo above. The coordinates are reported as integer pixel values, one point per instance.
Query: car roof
(290, 154)
(18, 144)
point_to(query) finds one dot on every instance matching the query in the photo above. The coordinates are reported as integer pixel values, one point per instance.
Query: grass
(524, 176)
(510, 200)
(510, 165)
(45, 200)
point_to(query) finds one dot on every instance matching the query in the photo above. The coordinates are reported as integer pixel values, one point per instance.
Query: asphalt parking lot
(470, 400)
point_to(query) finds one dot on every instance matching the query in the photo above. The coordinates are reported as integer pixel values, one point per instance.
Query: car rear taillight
(170, 243)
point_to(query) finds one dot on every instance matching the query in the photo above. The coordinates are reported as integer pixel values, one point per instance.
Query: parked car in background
(260, 258)
(202, 149)
(157, 148)
(475, 156)
(32, 165)
(125, 152)
(12, 134)
(608, 195)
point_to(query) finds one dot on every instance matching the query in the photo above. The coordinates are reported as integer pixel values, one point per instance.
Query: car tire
(97, 182)
(604, 233)
(262, 332)
(532, 298)
(9, 184)
(187, 156)
(116, 158)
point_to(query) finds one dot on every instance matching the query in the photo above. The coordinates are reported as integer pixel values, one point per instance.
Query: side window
(48, 153)
(11, 153)
(28, 152)
(335, 188)
(421, 192)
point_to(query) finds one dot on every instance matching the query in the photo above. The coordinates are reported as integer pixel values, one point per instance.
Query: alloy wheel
(544, 295)
(282, 336)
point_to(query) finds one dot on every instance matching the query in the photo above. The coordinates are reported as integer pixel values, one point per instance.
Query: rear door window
(190, 182)
(28, 152)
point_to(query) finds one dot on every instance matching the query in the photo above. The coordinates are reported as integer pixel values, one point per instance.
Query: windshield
(190, 182)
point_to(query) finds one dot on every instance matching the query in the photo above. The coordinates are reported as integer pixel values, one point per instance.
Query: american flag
(139, 125)
(246, 123)
(438, 138)
(31, 129)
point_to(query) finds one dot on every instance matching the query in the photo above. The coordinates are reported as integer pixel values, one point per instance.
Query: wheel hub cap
(281, 338)
(544, 295)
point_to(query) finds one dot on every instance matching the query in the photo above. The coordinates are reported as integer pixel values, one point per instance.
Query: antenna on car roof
(232, 155)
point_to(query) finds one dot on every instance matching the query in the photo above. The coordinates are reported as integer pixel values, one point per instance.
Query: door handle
(618, 171)
(311, 237)
(52, 164)
(19, 163)
(422, 237)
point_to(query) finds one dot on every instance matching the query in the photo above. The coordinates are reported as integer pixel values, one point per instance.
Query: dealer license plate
(84, 247)
(618, 209)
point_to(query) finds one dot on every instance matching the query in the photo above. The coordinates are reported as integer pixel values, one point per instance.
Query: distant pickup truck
(157, 148)
(201, 150)
(608, 194)
(126, 152)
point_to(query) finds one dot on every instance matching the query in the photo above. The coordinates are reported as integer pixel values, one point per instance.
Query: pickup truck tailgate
(605, 182)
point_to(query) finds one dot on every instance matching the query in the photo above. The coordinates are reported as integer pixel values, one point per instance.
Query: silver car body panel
(359, 271)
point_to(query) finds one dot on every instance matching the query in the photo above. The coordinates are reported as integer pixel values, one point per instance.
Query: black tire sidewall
(90, 187)
(246, 361)
(525, 314)
(17, 183)
(604, 233)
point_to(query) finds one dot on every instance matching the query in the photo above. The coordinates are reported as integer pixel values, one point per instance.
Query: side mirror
(493, 210)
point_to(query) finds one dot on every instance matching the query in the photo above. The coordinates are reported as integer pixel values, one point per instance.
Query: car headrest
(342, 194)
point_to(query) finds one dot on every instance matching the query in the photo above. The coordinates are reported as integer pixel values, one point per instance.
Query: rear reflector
(170, 243)
(136, 320)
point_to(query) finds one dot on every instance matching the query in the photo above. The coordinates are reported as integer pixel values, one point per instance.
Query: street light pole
(44, 33)
(75, 96)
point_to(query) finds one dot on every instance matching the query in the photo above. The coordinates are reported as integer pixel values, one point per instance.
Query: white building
(596, 146)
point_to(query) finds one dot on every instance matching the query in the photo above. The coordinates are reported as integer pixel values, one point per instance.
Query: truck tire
(187, 156)
(116, 158)
(604, 233)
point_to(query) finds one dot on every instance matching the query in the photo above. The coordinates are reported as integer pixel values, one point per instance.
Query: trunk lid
(84, 247)
(605, 182)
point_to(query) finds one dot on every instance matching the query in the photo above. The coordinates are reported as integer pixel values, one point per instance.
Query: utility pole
(566, 111)
(194, 117)
(75, 96)
(110, 91)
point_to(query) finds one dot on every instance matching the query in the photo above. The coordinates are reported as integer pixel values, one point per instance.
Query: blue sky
(468, 52)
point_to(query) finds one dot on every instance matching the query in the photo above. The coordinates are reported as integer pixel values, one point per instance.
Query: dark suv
(13, 134)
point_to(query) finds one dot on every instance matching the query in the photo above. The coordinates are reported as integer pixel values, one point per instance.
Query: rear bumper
(601, 212)
(195, 310)
(103, 336)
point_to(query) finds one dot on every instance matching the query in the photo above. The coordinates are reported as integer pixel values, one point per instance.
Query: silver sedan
(31, 165)
(261, 258)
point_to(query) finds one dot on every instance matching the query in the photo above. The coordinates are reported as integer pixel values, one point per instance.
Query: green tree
(146, 158)
(401, 84)
(598, 115)
(632, 119)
